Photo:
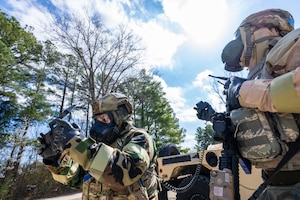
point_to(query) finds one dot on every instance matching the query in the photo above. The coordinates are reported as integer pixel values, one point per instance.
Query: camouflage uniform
(124, 169)
(272, 97)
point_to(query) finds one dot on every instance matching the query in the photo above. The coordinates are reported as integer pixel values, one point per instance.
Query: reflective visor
(291, 21)
(237, 34)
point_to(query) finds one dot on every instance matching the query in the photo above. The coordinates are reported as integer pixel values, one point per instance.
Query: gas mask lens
(232, 53)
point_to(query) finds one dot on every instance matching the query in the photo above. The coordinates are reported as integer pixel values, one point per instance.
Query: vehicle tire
(168, 150)
(199, 191)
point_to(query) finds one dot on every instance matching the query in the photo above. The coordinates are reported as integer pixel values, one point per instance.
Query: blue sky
(184, 39)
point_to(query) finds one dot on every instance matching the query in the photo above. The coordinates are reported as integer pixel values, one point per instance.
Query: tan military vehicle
(188, 175)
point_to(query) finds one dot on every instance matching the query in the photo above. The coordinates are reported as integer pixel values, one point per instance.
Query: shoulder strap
(257, 70)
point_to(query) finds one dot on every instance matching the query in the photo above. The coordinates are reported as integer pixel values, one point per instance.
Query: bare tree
(106, 55)
(216, 83)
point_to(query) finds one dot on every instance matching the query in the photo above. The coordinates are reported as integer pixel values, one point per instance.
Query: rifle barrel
(219, 77)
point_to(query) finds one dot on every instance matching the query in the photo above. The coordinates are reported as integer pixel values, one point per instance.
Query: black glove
(63, 133)
(231, 90)
(50, 157)
(204, 110)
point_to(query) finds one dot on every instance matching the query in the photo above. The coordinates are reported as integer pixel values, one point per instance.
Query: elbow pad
(79, 150)
(284, 94)
(100, 161)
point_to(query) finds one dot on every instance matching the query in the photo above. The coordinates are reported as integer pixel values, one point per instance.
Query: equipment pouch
(286, 126)
(255, 139)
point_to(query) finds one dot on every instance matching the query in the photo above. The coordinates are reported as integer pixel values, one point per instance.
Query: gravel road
(171, 196)
(76, 196)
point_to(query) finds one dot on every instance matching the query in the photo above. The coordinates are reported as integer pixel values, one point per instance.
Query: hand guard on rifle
(231, 90)
(52, 145)
(204, 111)
(50, 156)
(63, 133)
(69, 141)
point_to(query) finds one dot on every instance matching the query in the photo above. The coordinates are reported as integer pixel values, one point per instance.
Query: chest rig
(94, 190)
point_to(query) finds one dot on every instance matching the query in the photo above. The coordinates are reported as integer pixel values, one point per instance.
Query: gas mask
(232, 53)
(103, 132)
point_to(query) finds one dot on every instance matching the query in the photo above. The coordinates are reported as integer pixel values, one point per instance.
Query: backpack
(285, 55)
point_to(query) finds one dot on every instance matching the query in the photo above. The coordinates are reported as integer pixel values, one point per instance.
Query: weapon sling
(291, 152)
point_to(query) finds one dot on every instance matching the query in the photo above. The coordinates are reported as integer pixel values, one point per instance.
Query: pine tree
(152, 111)
(22, 89)
(204, 137)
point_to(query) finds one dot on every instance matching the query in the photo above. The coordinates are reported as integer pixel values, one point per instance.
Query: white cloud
(202, 79)
(199, 19)
(161, 43)
(28, 13)
(174, 95)
(204, 83)
(112, 11)
(189, 142)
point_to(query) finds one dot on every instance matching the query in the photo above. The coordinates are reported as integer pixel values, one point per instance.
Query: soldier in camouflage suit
(265, 106)
(117, 161)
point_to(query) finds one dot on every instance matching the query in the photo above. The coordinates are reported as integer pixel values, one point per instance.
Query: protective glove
(204, 110)
(231, 90)
(50, 157)
(63, 133)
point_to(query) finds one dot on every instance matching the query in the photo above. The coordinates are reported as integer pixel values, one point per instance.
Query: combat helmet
(255, 36)
(116, 103)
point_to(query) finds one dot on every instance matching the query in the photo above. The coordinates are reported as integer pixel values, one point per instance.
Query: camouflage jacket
(129, 174)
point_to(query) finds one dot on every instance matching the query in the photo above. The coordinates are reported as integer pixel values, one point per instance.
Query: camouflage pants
(291, 192)
(97, 191)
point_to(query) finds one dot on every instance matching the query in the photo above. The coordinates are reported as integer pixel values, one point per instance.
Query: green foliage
(204, 137)
(33, 182)
(21, 75)
(19, 48)
(152, 111)
(23, 97)
(30, 70)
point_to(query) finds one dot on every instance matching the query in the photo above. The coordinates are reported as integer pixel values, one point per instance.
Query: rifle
(49, 137)
(224, 132)
(219, 77)
(222, 126)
